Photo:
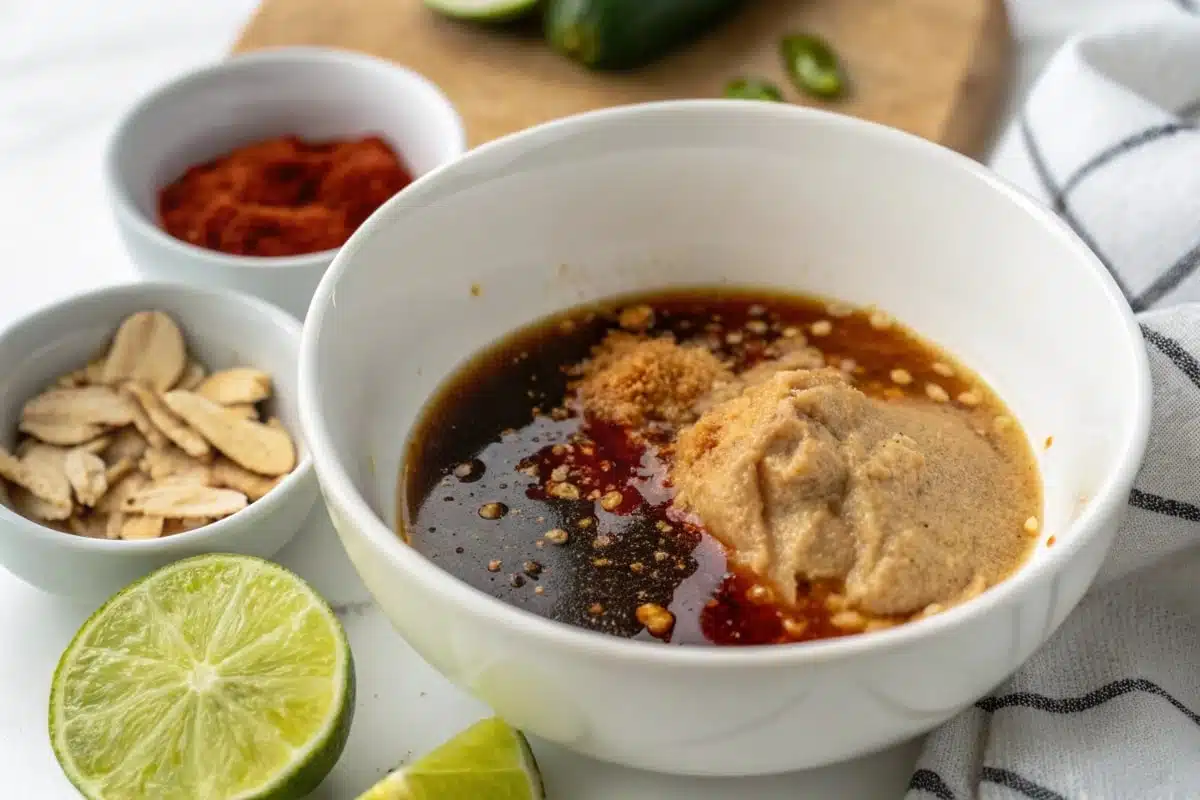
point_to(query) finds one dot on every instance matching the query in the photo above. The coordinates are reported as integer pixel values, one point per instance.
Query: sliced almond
(242, 411)
(72, 380)
(91, 375)
(257, 447)
(140, 526)
(192, 375)
(238, 385)
(96, 446)
(185, 479)
(229, 475)
(147, 347)
(128, 444)
(83, 405)
(168, 462)
(57, 456)
(61, 433)
(34, 508)
(75, 416)
(171, 426)
(142, 423)
(43, 477)
(86, 472)
(46, 454)
(118, 470)
(177, 501)
(173, 526)
(113, 525)
(120, 490)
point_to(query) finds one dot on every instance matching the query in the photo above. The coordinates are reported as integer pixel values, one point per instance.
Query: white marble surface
(67, 70)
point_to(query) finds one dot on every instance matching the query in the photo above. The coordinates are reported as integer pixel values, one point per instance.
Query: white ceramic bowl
(222, 329)
(707, 193)
(311, 92)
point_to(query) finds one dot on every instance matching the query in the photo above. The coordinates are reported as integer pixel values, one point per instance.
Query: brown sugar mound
(631, 380)
(805, 477)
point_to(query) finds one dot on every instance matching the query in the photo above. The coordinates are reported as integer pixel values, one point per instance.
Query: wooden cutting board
(936, 68)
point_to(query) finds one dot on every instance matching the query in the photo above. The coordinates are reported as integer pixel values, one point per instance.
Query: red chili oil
(507, 487)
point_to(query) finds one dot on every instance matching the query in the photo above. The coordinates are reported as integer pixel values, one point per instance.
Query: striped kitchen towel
(1110, 706)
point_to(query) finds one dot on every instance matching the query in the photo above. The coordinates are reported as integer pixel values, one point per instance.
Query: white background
(68, 68)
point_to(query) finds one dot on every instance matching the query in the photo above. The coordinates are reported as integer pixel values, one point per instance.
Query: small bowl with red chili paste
(251, 173)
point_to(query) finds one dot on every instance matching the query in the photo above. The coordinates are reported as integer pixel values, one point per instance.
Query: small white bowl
(222, 329)
(702, 193)
(314, 93)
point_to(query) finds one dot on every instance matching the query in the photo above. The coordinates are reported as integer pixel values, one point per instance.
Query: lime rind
(483, 10)
(295, 777)
(530, 765)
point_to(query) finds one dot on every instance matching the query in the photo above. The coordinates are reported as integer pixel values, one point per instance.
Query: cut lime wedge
(216, 677)
(488, 761)
(483, 10)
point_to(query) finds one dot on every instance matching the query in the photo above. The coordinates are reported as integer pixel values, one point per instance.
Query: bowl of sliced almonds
(144, 423)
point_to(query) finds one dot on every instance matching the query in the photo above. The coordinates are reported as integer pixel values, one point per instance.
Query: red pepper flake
(283, 196)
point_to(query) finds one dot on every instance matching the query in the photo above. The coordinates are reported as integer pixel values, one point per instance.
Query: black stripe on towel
(926, 780)
(1164, 505)
(1117, 150)
(1176, 274)
(1185, 361)
(1190, 110)
(1017, 783)
(1074, 705)
(1052, 191)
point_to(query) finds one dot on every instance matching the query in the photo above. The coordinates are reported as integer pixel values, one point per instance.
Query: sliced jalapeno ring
(753, 89)
(812, 65)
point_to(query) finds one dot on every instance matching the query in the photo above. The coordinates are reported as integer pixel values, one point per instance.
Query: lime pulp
(488, 761)
(213, 678)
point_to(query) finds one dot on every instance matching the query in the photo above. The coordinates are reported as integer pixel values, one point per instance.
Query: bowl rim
(1106, 502)
(284, 492)
(172, 90)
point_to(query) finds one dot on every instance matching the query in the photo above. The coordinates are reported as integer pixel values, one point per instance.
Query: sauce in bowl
(513, 486)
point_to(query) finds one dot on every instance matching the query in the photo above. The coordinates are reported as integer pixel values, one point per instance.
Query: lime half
(488, 761)
(216, 677)
(483, 10)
